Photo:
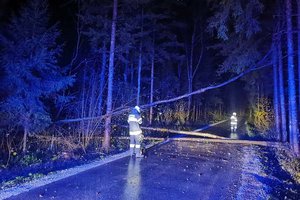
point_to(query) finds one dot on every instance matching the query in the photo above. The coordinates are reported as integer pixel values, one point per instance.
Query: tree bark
(152, 82)
(25, 134)
(139, 76)
(193, 62)
(293, 122)
(298, 26)
(281, 93)
(140, 62)
(102, 79)
(190, 71)
(107, 132)
(276, 88)
(194, 133)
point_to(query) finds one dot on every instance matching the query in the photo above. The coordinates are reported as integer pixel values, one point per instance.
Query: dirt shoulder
(264, 175)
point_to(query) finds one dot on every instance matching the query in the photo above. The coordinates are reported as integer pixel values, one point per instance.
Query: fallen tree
(193, 133)
(231, 141)
(261, 64)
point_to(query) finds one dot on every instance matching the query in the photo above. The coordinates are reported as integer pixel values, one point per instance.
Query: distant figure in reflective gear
(233, 122)
(135, 132)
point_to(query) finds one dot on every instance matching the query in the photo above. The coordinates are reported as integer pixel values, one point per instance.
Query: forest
(71, 70)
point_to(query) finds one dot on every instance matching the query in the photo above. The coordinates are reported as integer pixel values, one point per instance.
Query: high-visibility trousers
(135, 144)
(233, 125)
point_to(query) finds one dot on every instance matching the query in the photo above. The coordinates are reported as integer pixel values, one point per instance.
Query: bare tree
(107, 132)
(259, 65)
(193, 58)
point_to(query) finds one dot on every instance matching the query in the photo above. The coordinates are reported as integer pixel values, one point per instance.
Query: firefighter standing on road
(135, 132)
(233, 122)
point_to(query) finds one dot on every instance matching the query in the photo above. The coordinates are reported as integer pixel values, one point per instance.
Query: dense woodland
(71, 70)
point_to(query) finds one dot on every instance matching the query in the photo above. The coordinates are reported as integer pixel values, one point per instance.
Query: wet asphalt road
(175, 170)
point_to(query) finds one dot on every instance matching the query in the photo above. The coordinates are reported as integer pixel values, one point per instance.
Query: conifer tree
(292, 100)
(31, 73)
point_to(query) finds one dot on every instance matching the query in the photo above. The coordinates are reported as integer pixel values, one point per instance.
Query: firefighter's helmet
(137, 108)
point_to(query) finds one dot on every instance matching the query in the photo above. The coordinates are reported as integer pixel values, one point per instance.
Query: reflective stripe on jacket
(233, 120)
(134, 121)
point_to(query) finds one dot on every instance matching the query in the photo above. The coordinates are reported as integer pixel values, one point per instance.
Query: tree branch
(200, 57)
(121, 110)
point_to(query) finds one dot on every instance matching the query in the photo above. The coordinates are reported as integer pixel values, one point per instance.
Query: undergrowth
(289, 162)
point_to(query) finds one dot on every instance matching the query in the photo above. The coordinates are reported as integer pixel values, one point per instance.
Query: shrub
(29, 160)
(263, 116)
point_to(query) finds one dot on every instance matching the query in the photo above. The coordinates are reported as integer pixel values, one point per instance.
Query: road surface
(174, 170)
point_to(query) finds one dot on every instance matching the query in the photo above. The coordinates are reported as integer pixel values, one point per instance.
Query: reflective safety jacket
(134, 120)
(233, 120)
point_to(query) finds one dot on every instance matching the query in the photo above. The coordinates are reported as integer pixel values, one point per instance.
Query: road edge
(62, 174)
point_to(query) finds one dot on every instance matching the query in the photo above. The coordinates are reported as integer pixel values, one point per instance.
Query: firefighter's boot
(139, 153)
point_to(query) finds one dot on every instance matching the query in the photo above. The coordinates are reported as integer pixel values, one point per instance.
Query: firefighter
(135, 132)
(233, 122)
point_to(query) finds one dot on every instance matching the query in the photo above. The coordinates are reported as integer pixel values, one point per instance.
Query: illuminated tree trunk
(139, 77)
(193, 60)
(25, 134)
(102, 79)
(152, 83)
(140, 65)
(293, 122)
(281, 94)
(107, 132)
(190, 72)
(275, 88)
(298, 20)
(25, 124)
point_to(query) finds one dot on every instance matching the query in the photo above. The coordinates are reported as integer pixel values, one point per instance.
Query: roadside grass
(21, 179)
(288, 161)
(30, 168)
(38, 163)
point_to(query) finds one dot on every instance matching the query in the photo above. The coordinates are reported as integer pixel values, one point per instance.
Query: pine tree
(29, 57)
(277, 45)
(298, 26)
(239, 45)
(281, 92)
(276, 83)
(107, 133)
(293, 121)
(276, 89)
